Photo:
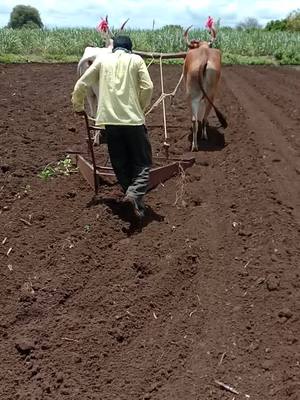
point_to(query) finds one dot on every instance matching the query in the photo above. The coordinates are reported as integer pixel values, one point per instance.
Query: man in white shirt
(125, 90)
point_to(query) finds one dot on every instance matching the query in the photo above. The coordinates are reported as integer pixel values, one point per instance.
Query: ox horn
(186, 35)
(108, 35)
(213, 36)
(112, 36)
(122, 27)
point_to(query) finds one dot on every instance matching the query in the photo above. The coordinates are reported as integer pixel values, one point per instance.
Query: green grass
(67, 45)
(32, 58)
(233, 59)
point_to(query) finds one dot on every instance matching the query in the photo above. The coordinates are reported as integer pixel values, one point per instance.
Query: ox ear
(186, 35)
(110, 34)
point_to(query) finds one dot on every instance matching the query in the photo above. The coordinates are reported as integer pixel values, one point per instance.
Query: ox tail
(201, 72)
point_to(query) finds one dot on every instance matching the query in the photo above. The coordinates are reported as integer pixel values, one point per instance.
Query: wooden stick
(25, 222)
(226, 387)
(165, 56)
(222, 358)
(70, 340)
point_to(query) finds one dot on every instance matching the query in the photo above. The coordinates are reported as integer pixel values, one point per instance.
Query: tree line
(29, 17)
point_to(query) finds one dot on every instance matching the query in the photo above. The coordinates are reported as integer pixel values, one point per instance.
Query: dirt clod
(273, 282)
(5, 168)
(24, 345)
(285, 313)
(267, 365)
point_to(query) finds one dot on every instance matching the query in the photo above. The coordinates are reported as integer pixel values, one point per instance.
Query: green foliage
(48, 172)
(25, 17)
(276, 25)
(289, 57)
(293, 21)
(30, 25)
(290, 23)
(234, 59)
(63, 167)
(67, 45)
(171, 28)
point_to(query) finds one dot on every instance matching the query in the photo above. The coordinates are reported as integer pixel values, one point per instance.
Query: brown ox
(202, 69)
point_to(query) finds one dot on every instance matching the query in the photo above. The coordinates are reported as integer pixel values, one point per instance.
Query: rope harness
(162, 98)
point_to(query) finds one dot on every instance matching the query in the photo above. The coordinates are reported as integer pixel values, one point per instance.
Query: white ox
(89, 56)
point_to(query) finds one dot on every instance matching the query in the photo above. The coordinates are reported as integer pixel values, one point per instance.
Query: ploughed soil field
(199, 303)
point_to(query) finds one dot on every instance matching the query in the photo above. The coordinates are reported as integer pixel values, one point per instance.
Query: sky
(87, 13)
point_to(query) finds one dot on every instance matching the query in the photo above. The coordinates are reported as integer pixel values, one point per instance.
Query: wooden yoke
(160, 55)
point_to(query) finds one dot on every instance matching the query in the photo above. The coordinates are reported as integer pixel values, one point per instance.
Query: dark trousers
(131, 157)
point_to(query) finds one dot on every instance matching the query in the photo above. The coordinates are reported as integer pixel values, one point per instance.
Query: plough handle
(91, 148)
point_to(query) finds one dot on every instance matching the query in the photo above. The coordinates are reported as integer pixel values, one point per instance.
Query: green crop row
(66, 44)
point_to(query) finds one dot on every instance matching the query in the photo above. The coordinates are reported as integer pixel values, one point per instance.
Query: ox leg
(195, 124)
(205, 118)
(203, 130)
(201, 116)
(210, 85)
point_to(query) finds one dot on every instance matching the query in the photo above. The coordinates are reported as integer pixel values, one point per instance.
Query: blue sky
(87, 13)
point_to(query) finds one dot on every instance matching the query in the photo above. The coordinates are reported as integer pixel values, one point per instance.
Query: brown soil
(208, 289)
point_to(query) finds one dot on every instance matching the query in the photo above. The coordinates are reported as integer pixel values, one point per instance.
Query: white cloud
(141, 13)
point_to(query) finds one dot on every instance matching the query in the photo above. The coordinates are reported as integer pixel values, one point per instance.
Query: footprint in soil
(125, 214)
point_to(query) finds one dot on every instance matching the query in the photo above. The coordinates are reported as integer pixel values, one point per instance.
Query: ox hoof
(194, 148)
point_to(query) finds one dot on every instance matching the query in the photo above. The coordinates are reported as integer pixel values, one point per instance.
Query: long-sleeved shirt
(125, 88)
